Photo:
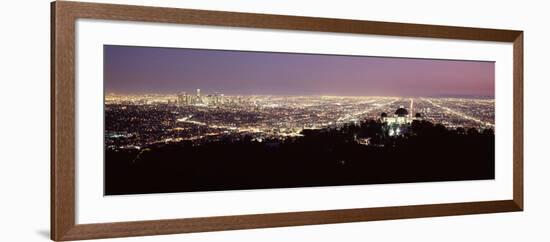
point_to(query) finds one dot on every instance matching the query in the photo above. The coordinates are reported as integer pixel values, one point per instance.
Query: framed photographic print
(172, 120)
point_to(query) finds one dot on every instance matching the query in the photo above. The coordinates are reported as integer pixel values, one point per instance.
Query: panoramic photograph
(192, 120)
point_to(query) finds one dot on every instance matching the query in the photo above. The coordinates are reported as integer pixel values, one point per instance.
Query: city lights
(141, 120)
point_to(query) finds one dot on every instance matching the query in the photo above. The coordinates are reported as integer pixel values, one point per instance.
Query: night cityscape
(139, 121)
(185, 120)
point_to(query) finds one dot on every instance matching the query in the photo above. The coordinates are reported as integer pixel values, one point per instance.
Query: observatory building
(401, 116)
(397, 124)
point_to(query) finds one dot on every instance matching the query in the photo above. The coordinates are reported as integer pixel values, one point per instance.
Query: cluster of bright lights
(162, 118)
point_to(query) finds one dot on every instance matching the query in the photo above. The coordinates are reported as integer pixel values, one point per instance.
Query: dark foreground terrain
(328, 157)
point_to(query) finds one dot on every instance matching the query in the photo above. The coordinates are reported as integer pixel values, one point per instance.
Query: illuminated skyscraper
(198, 99)
(182, 99)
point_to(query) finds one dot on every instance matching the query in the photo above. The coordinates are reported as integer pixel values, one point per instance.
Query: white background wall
(24, 120)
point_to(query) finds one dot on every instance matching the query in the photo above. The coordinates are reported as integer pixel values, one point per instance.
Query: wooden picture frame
(63, 18)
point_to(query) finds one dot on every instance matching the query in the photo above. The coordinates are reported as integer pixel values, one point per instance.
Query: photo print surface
(188, 120)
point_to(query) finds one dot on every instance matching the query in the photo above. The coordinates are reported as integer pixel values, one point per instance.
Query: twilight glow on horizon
(141, 70)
